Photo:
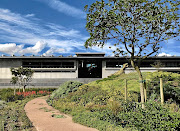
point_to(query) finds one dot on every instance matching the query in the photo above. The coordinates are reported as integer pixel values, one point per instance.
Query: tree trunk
(14, 90)
(24, 87)
(141, 83)
(19, 89)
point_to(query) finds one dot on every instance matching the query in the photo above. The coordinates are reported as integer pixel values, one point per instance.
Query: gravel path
(40, 113)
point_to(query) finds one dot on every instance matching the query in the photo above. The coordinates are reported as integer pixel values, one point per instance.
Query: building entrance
(90, 69)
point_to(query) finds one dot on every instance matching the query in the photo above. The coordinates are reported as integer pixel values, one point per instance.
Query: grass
(101, 105)
(58, 116)
(45, 109)
(119, 83)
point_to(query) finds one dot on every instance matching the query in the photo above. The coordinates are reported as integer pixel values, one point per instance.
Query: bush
(112, 77)
(171, 85)
(65, 89)
(2, 104)
(101, 104)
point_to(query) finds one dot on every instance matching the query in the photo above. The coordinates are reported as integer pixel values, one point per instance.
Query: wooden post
(145, 91)
(161, 91)
(125, 90)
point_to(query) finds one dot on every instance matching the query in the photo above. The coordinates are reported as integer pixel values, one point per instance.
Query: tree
(22, 75)
(14, 80)
(158, 64)
(135, 27)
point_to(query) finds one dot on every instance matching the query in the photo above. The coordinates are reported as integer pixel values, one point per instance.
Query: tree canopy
(22, 76)
(137, 26)
(134, 27)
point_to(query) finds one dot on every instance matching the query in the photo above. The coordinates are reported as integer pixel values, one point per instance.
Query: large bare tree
(136, 28)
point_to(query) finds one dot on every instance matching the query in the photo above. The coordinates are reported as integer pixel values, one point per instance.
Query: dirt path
(40, 113)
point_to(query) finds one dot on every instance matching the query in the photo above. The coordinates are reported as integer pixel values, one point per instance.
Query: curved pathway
(41, 115)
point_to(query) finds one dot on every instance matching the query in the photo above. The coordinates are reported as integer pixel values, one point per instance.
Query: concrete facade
(84, 67)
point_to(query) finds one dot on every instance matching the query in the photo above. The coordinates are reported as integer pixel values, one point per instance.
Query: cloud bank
(27, 29)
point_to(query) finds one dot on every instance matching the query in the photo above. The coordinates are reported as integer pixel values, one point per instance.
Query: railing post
(161, 91)
(125, 89)
(145, 91)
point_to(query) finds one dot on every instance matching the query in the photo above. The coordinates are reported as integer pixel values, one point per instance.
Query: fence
(150, 87)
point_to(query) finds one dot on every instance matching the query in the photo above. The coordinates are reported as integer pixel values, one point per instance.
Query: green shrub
(101, 104)
(2, 104)
(171, 85)
(154, 117)
(65, 89)
(107, 79)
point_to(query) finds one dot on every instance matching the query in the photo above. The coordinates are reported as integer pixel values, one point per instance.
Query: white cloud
(51, 51)
(22, 29)
(30, 15)
(14, 49)
(164, 54)
(37, 48)
(65, 8)
(10, 48)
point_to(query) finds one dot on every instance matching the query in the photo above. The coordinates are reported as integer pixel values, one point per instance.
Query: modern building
(84, 67)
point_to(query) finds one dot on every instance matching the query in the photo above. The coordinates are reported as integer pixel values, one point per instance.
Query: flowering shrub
(32, 93)
(43, 92)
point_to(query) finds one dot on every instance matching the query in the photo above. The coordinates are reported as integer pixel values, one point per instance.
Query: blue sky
(50, 27)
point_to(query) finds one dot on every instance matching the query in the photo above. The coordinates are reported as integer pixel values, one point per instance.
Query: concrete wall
(5, 66)
(55, 75)
(5, 72)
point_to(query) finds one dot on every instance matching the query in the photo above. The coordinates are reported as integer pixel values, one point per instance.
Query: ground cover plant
(12, 114)
(100, 104)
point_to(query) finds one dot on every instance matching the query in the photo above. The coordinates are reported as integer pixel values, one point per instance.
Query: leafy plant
(65, 89)
(22, 76)
(171, 85)
(136, 27)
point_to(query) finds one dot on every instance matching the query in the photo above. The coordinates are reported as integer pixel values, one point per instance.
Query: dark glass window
(32, 64)
(147, 64)
(67, 65)
(114, 64)
(48, 64)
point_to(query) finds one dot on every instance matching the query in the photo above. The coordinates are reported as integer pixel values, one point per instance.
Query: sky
(51, 27)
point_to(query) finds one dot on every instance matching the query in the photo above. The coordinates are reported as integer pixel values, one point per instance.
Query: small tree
(158, 64)
(135, 27)
(23, 76)
(14, 81)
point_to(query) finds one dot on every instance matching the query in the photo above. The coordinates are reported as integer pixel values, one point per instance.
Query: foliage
(64, 89)
(158, 64)
(171, 85)
(109, 78)
(2, 104)
(22, 76)
(102, 106)
(8, 96)
(12, 114)
(135, 26)
(139, 24)
(32, 93)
